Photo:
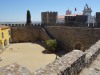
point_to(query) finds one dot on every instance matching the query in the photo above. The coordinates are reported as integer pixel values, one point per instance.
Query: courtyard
(27, 55)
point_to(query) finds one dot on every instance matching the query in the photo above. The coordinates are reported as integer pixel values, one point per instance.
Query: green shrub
(51, 45)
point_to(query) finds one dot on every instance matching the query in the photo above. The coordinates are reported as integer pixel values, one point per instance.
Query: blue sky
(15, 10)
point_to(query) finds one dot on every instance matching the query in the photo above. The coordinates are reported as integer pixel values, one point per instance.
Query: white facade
(87, 11)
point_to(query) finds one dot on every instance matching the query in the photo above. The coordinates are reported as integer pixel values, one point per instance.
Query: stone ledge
(60, 65)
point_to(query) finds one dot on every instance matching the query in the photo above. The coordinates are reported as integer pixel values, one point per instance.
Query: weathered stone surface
(69, 38)
(92, 52)
(93, 69)
(63, 63)
(73, 35)
(28, 34)
(14, 69)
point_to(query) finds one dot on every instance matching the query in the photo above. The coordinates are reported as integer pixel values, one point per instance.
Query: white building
(87, 11)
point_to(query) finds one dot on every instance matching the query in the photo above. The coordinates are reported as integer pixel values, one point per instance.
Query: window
(2, 35)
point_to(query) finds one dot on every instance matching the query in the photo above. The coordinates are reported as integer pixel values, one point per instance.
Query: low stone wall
(71, 63)
(14, 69)
(92, 53)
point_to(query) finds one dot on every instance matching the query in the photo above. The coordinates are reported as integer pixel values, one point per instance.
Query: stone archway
(5, 42)
(78, 46)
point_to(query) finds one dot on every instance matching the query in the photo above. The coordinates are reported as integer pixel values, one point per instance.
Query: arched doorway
(0, 45)
(78, 46)
(5, 42)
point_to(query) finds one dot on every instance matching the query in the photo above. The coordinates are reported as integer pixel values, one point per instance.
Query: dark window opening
(2, 35)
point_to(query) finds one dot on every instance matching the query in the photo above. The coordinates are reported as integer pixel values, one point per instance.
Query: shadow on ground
(59, 52)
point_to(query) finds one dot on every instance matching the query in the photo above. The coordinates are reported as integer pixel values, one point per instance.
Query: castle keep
(49, 17)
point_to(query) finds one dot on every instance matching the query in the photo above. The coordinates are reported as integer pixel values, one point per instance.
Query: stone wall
(71, 63)
(28, 34)
(92, 53)
(69, 37)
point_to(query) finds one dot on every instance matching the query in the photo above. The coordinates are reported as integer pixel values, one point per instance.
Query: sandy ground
(93, 69)
(26, 54)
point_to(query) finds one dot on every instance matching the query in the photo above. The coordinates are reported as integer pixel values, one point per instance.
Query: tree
(51, 45)
(28, 17)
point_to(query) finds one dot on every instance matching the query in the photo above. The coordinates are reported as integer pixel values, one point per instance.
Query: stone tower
(98, 19)
(49, 17)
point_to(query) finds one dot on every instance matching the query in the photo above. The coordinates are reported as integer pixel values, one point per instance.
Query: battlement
(14, 25)
(23, 25)
(49, 17)
(49, 12)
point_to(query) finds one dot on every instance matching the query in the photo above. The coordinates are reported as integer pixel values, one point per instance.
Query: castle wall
(28, 34)
(69, 37)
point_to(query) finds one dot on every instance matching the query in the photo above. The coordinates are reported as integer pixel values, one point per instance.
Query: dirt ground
(27, 55)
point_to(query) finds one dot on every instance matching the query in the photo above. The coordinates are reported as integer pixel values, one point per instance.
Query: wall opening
(5, 42)
(78, 46)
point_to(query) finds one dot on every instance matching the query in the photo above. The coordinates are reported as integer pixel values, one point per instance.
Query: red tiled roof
(63, 16)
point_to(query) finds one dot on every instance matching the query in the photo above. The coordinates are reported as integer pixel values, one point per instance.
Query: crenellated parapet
(23, 25)
(14, 25)
(49, 17)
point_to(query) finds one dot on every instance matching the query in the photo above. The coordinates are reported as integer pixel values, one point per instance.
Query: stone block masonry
(92, 53)
(28, 34)
(68, 37)
(14, 69)
(69, 64)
